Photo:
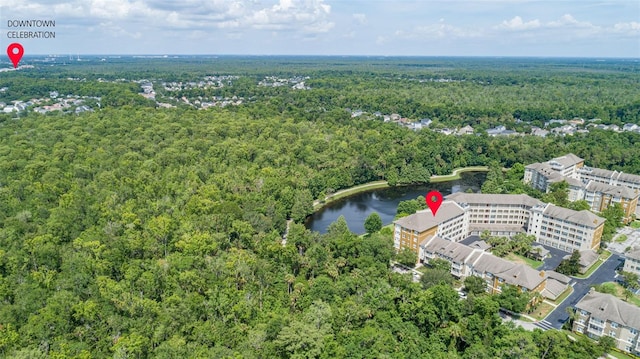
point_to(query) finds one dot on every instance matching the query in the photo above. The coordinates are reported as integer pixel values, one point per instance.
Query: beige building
(599, 314)
(464, 214)
(449, 221)
(564, 228)
(632, 262)
(599, 187)
(496, 272)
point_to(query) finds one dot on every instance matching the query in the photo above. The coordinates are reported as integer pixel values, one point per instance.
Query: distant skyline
(325, 27)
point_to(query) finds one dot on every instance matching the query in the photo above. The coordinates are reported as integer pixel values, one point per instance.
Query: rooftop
(616, 191)
(634, 254)
(567, 160)
(583, 217)
(424, 219)
(503, 199)
(608, 307)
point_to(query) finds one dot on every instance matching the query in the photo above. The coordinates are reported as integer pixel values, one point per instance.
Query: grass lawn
(456, 174)
(516, 258)
(348, 192)
(542, 311)
(619, 292)
(635, 224)
(603, 257)
(621, 238)
(620, 355)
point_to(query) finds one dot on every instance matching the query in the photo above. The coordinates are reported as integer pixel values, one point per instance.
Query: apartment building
(501, 215)
(599, 314)
(601, 195)
(464, 214)
(614, 178)
(450, 221)
(632, 262)
(565, 229)
(599, 187)
(496, 272)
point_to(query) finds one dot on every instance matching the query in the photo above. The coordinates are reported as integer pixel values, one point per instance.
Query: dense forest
(134, 231)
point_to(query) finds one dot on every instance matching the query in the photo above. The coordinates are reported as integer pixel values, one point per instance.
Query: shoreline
(454, 175)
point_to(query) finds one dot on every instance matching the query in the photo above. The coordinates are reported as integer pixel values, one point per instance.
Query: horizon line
(163, 55)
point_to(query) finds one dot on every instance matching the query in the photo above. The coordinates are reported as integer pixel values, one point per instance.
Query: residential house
(466, 130)
(500, 131)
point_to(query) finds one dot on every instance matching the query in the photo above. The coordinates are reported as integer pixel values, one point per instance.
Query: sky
(568, 28)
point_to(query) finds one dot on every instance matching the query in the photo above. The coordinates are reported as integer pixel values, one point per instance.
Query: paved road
(606, 273)
(551, 262)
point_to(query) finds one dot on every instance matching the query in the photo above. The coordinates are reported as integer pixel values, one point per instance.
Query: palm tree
(290, 279)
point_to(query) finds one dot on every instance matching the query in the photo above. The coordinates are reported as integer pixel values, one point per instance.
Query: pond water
(358, 207)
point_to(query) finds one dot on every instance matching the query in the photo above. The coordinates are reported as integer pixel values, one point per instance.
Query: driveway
(554, 259)
(606, 273)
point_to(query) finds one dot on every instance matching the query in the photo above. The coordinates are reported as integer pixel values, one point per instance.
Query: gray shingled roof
(486, 198)
(612, 174)
(492, 264)
(523, 275)
(553, 289)
(634, 254)
(607, 307)
(558, 276)
(423, 220)
(454, 250)
(584, 217)
(616, 191)
(514, 274)
(568, 160)
(587, 257)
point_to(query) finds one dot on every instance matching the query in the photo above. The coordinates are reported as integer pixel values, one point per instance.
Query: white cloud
(360, 18)
(517, 24)
(310, 15)
(627, 26)
(439, 30)
(284, 15)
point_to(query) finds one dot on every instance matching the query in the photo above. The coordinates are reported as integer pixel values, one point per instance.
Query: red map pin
(15, 52)
(434, 200)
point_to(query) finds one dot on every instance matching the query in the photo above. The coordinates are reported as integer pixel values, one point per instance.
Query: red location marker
(434, 200)
(15, 52)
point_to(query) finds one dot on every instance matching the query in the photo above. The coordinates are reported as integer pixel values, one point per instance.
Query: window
(614, 325)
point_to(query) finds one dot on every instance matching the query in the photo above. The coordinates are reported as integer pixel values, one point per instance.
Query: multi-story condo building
(632, 262)
(601, 195)
(564, 228)
(600, 314)
(501, 215)
(464, 214)
(497, 272)
(599, 187)
(614, 178)
(450, 221)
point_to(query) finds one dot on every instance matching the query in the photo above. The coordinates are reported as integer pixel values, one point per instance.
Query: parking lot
(633, 240)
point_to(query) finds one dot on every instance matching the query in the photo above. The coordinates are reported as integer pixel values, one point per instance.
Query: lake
(358, 207)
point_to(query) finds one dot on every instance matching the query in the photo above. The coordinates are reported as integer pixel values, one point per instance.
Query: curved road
(606, 273)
